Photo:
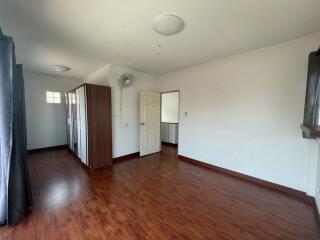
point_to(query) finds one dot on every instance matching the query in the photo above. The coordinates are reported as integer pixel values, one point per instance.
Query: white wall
(125, 136)
(46, 123)
(244, 113)
(170, 107)
(100, 76)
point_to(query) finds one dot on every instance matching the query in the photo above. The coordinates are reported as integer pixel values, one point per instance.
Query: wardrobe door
(99, 125)
(70, 121)
(67, 118)
(74, 122)
(82, 124)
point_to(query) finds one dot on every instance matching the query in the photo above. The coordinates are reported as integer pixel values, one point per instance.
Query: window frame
(53, 97)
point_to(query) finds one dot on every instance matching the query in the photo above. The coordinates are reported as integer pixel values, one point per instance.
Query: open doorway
(170, 117)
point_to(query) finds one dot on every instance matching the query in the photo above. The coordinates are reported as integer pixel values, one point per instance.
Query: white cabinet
(169, 132)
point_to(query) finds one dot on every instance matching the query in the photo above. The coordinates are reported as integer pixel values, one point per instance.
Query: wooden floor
(155, 197)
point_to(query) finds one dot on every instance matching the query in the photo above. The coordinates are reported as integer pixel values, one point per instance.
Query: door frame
(171, 91)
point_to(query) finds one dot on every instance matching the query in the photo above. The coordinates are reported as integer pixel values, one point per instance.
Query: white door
(82, 124)
(149, 123)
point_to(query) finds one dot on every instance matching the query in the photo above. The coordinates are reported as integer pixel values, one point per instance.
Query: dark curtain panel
(19, 190)
(6, 116)
(311, 110)
(15, 191)
(311, 117)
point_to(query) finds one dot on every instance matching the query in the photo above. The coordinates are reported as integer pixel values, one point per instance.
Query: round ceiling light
(61, 68)
(167, 24)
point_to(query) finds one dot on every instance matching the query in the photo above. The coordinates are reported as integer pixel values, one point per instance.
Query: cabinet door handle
(141, 124)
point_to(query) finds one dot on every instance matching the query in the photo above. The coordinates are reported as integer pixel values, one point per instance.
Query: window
(170, 107)
(53, 97)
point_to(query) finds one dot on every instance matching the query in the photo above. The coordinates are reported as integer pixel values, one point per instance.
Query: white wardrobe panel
(79, 153)
(69, 121)
(82, 125)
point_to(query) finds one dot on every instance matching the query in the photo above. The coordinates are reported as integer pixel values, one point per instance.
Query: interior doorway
(170, 102)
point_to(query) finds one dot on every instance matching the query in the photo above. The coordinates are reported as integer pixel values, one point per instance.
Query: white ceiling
(85, 35)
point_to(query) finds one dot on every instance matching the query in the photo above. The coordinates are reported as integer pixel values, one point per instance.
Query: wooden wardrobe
(89, 126)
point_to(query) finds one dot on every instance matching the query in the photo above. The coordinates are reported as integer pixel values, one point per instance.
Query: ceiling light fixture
(167, 24)
(61, 68)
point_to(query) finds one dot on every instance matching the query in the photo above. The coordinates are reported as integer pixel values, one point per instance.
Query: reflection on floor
(154, 197)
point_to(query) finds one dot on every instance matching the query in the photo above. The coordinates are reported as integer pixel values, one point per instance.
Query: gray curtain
(15, 191)
(312, 99)
(6, 74)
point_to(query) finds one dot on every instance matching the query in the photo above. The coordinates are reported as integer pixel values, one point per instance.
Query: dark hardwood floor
(154, 197)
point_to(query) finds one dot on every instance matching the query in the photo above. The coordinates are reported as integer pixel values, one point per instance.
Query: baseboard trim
(45, 149)
(286, 190)
(126, 157)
